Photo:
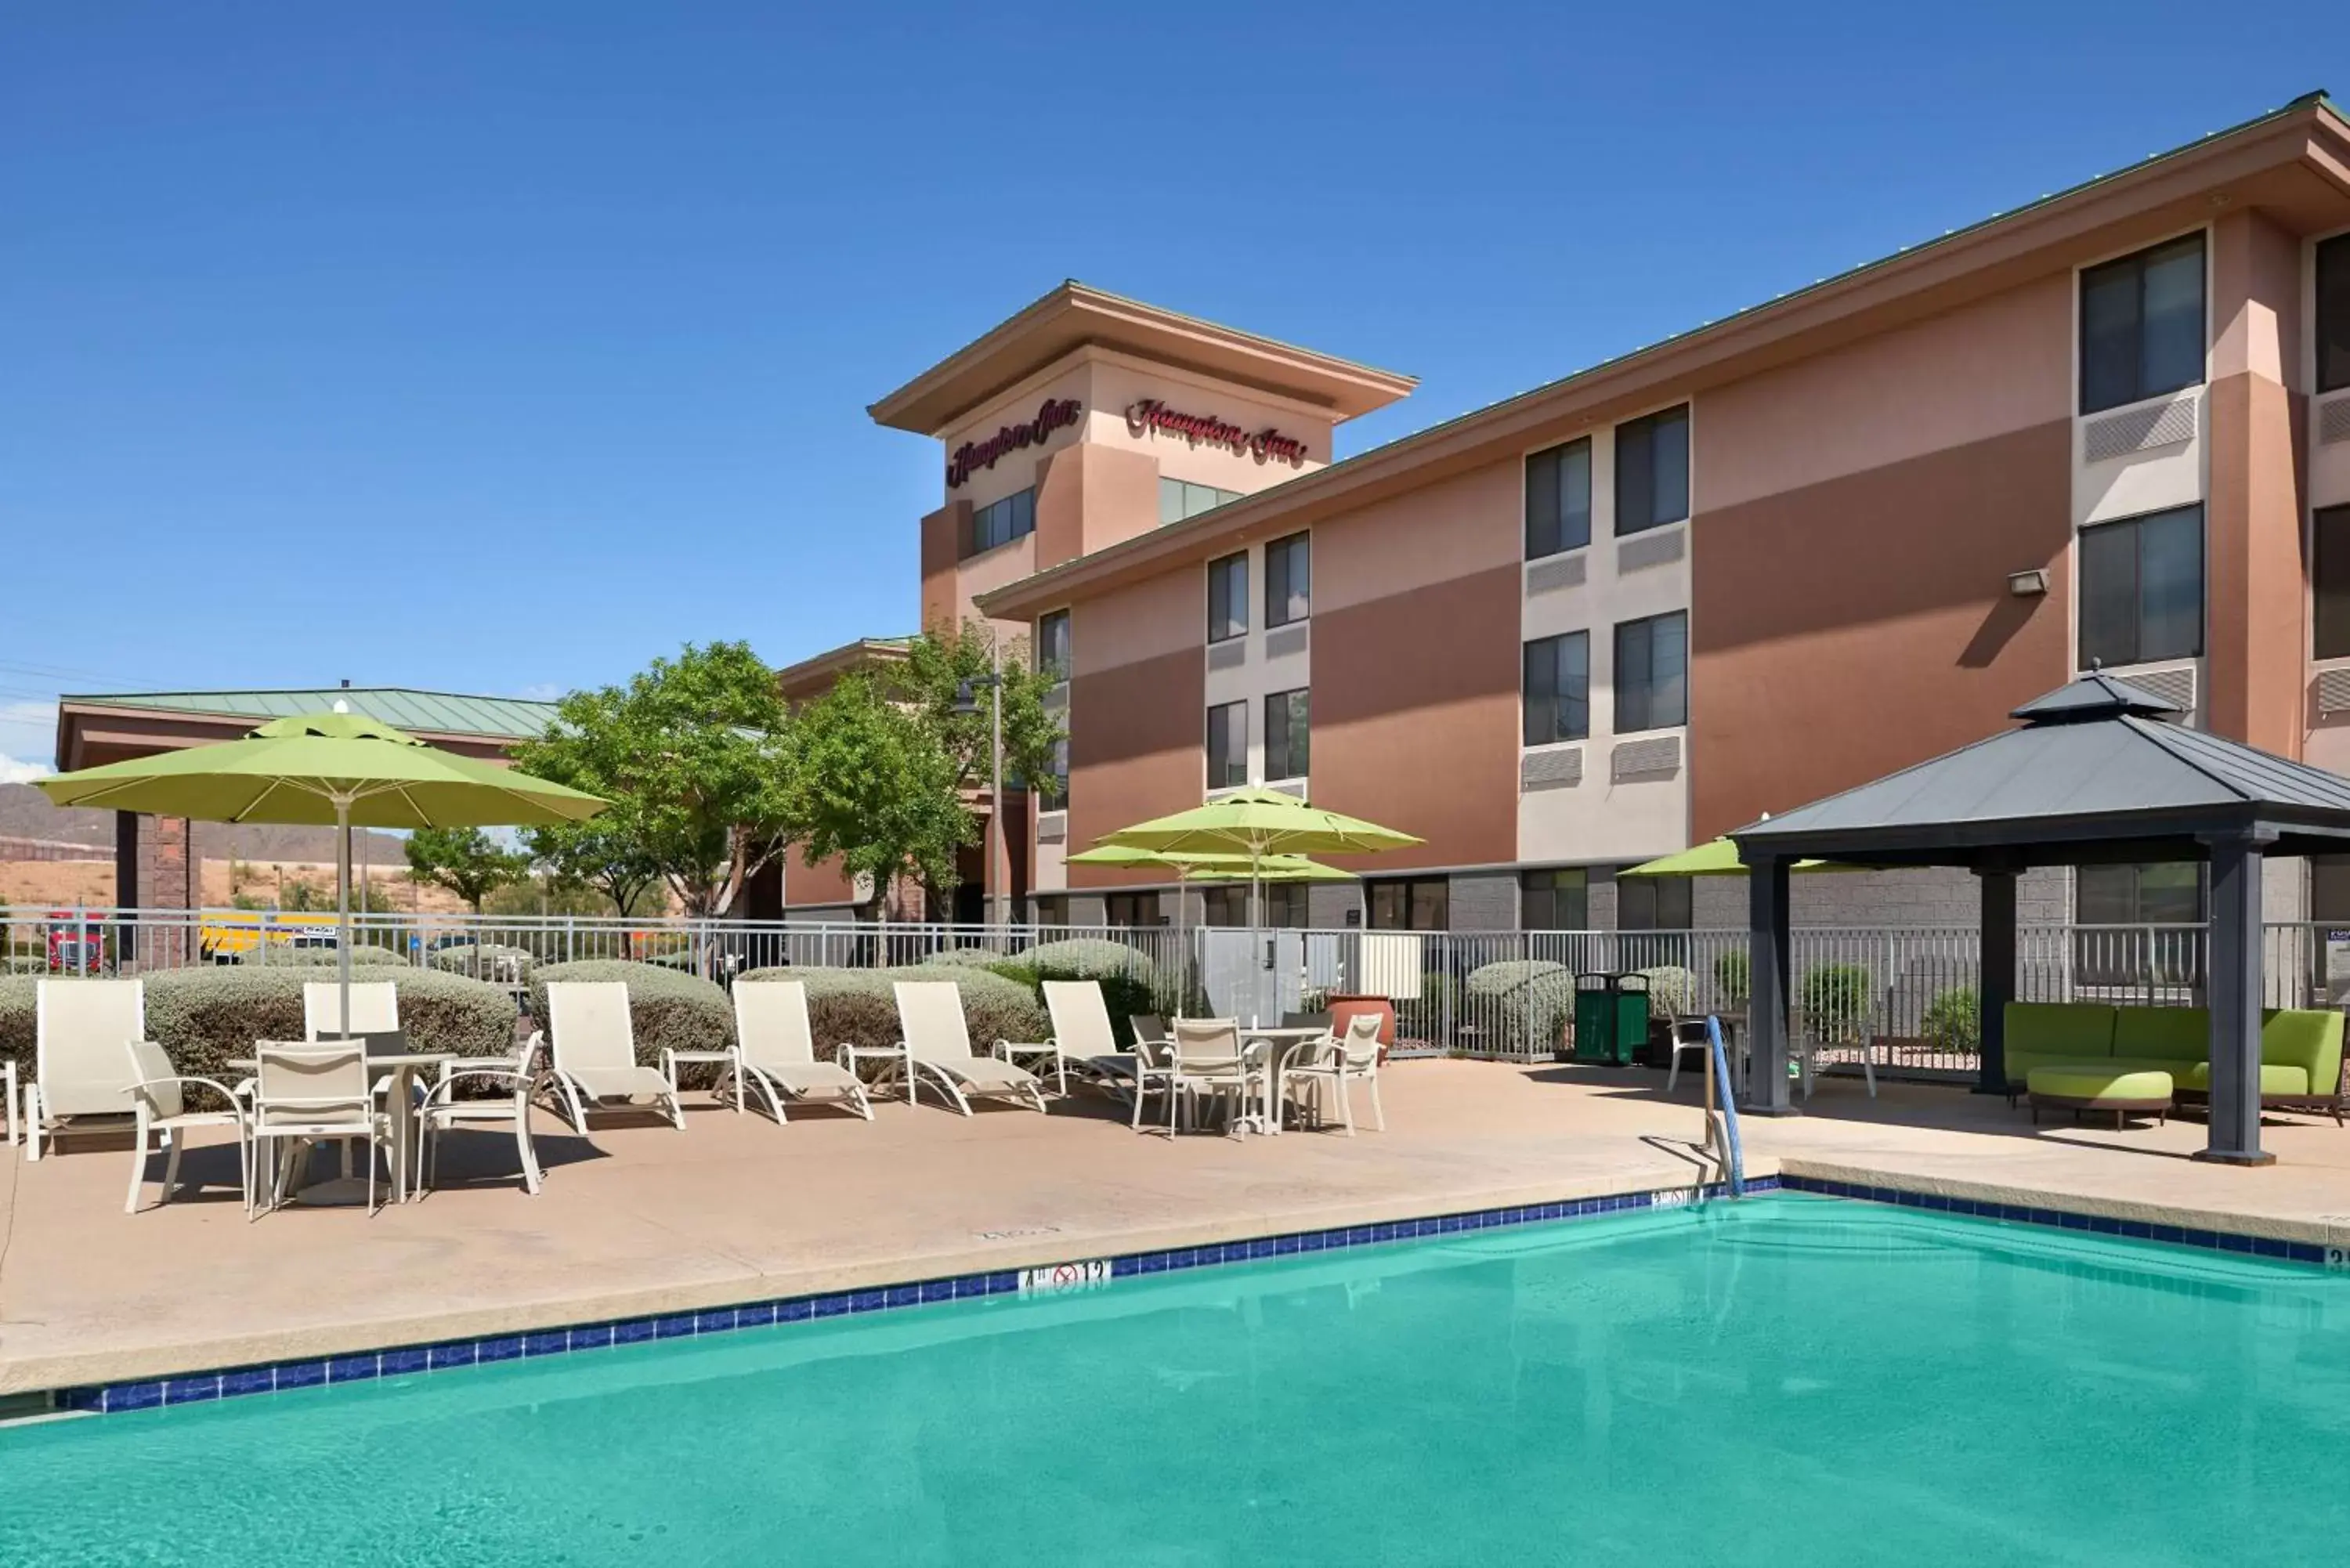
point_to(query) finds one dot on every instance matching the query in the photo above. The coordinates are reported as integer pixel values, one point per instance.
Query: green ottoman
(2078, 1086)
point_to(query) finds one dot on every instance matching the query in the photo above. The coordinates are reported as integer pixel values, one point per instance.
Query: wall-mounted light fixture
(2028, 584)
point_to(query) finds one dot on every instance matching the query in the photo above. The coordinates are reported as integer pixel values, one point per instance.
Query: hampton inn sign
(1151, 417)
(1055, 413)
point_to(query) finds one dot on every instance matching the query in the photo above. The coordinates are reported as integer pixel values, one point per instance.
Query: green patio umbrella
(315, 769)
(1716, 857)
(1254, 824)
(1272, 869)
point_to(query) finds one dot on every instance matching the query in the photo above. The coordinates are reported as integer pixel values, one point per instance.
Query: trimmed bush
(1953, 1021)
(323, 958)
(1836, 1002)
(1090, 957)
(859, 1007)
(1672, 989)
(972, 958)
(18, 1020)
(1520, 1006)
(667, 1011)
(205, 1017)
(501, 962)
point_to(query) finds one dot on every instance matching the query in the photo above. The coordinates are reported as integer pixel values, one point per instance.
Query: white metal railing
(1906, 995)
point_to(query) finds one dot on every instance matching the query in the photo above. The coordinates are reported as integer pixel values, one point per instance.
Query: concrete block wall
(1929, 895)
(1483, 900)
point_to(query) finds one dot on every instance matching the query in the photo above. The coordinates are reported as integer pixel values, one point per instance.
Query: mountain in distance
(26, 813)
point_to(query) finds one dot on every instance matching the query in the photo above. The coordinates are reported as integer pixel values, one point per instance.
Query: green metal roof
(441, 712)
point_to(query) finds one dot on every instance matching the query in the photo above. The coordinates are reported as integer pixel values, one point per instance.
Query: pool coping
(307, 1372)
(1033, 1269)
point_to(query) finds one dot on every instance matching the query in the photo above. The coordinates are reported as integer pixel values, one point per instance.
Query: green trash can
(1611, 1018)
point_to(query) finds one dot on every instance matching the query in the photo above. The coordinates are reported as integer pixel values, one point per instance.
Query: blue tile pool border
(2069, 1220)
(449, 1354)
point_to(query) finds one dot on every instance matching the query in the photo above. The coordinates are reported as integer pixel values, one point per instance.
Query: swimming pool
(1790, 1379)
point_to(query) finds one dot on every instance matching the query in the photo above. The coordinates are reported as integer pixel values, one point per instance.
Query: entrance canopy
(2098, 772)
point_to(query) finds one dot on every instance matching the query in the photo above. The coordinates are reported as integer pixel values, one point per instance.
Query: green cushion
(2093, 1081)
(2306, 1038)
(2043, 1031)
(2162, 1033)
(2276, 1078)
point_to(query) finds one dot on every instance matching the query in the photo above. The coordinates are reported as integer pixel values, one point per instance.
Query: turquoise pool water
(1788, 1380)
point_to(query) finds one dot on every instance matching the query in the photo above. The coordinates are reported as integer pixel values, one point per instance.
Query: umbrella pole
(343, 906)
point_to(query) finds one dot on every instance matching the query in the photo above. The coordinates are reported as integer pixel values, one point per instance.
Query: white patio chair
(1688, 1034)
(1208, 1059)
(442, 1110)
(937, 1043)
(306, 1094)
(375, 1009)
(159, 1101)
(594, 1051)
(1154, 1059)
(81, 1030)
(1083, 1039)
(1352, 1058)
(777, 1050)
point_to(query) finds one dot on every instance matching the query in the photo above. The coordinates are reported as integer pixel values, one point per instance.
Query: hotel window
(2142, 588)
(1228, 745)
(1180, 498)
(2333, 314)
(1557, 694)
(1287, 734)
(1284, 906)
(2160, 895)
(1652, 476)
(1653, 903)
(2142, 325)
(1052, 645)
(1652, 673)
(2330, 583)
(1000, 522)
(1555, 901)
(1131, 910)
(1228, 597)
(1052, 793)
(1558, 499)
(1052, 908)
(1410, 904)
(1288, 580)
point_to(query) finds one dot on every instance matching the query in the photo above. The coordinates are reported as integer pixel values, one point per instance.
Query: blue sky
(503, 347)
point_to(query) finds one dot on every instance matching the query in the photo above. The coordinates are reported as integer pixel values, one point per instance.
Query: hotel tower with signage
(1722, 575)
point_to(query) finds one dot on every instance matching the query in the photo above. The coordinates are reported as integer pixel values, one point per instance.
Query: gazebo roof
(2099, 769)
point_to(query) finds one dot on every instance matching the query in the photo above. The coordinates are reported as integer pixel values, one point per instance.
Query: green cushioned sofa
(2301, 1049)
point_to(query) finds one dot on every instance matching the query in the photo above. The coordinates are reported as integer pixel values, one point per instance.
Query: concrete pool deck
(639, 1217)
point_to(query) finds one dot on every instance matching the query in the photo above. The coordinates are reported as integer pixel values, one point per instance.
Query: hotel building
(1722, 575)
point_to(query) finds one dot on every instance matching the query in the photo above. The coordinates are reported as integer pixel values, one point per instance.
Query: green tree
(873, 783)
(937, 665)
(694, 755)
(466, 860)
(601, 854)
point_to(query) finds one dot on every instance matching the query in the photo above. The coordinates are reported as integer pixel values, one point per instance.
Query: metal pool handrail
(1722, 1130)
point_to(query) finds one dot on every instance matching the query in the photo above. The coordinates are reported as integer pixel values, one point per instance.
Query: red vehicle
(75, 948)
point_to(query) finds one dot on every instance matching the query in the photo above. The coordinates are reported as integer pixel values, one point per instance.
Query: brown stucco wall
(1416, 716)
(943, 534)
(2255, 581)
(1844, 629)
(1137, 749)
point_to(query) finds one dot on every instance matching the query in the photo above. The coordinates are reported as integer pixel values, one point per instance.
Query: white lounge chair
(778, 1049)
(159, 1097)
(306, 1094)
(442, 1110)
(375, 1009)
(937, 1042)
(595, 1051)
(1083, 1039)
(1352, 1058)
(81, 1028)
